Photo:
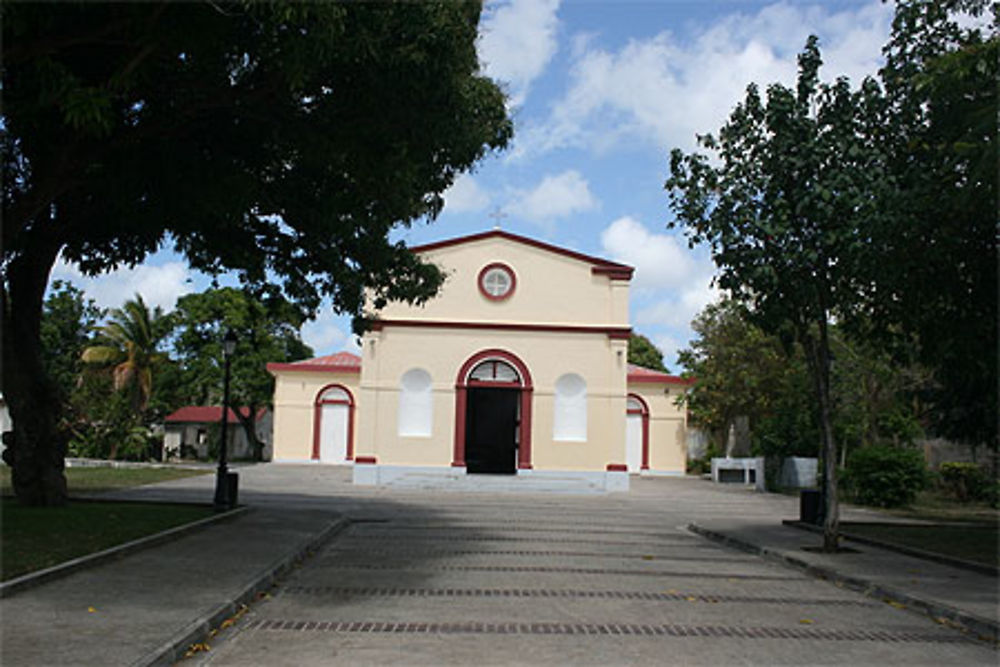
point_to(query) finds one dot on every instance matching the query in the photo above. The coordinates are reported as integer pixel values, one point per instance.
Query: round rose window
(496, 281)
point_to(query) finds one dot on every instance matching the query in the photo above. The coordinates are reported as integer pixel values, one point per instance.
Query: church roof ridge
(600, 264)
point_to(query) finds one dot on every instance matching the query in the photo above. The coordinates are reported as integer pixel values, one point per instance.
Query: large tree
(266, 331)
(783, 210)
(738, 370)
(282, 141)
(933, 261)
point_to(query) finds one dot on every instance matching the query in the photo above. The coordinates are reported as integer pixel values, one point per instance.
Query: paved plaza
(498, 578)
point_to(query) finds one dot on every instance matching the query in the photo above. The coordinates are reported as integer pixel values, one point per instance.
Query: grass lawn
(966, 530)
(975, 542)
(936, 505)
(38, 537)
(96, 480)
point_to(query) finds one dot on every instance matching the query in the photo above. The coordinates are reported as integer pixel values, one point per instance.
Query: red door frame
(318, 404)
(462, 385)
(644, 411)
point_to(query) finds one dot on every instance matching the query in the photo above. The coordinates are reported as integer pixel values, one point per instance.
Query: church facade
(518, 367)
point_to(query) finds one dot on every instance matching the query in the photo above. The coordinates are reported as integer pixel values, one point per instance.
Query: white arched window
(571, 408)
(415, 403)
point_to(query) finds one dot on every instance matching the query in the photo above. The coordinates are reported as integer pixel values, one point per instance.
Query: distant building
(187, 432)
(519, 366)
(6, 423)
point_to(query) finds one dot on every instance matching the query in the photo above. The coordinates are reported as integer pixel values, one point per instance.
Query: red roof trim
(640, 374)
(613, 272)
(205, 414)
(313, 368)
(613, 269)
(612, 332)
(341, 362)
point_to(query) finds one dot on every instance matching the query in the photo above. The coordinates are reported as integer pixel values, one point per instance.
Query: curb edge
(173, 649)
(936, 611)
(33, 579)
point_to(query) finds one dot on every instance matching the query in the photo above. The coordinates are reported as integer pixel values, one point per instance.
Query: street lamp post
(222, 491)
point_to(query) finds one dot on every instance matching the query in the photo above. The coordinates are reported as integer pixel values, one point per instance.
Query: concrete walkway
(150, 606)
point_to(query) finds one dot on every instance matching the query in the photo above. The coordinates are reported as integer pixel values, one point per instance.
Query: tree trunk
(819, 355)
(249, 424)
(35, 452)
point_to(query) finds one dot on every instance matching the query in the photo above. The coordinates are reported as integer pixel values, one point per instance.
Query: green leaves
(642, 352)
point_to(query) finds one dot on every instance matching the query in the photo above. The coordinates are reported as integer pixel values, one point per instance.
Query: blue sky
(600, 91)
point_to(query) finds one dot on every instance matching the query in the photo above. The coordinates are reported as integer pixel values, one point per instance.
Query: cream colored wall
(294, 397)
(550, 288)
(442, 352)
(667, 426)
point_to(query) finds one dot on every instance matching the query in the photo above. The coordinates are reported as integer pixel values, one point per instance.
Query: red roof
(342, 362)
(642, 374)
(614, 270)
(205, 414)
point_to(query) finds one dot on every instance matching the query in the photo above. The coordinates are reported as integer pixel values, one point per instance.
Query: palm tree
(127, 344)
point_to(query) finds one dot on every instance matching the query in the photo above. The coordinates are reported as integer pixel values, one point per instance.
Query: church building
(518, 367)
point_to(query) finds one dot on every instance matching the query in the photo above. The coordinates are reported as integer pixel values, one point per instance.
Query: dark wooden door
(490, 431)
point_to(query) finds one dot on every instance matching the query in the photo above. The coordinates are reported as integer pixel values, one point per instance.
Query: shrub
(699, 466)
(885, 476)
(967, 481)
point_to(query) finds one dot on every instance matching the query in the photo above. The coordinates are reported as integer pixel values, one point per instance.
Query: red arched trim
(461, 387)
(645, 428)
(318, 404)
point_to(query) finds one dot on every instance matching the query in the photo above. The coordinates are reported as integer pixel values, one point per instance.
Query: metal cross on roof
(497, 216)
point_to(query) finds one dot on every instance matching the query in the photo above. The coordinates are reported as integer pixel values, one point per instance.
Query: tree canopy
(738, 369)
(933, 260)
(128, 345)
(784, 211)
(282, 141)
(266, 331)
(642, 352)
(67, 327)
(875, 206)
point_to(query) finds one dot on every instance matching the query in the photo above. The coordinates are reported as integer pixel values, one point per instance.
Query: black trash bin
(810, 506)
(232, 488)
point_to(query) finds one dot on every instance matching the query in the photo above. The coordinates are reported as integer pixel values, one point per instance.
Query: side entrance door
(333, 433)
(491, 431)
(332, 425)
(633, 442)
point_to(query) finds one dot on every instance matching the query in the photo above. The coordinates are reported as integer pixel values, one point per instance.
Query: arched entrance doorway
(636, 434)
(493, 414)
(333, 425)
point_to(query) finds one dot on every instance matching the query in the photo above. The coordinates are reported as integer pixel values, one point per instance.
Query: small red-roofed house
(517, 367)
(187, 431)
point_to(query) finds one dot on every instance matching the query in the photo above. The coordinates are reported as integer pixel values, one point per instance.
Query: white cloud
(679, 311)
(517, 42)
(465, 196)
(555, 197)
(669, 346)
(664, 89)
(327, 333)
(160, 285)
(672, 283)
(661, 261)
